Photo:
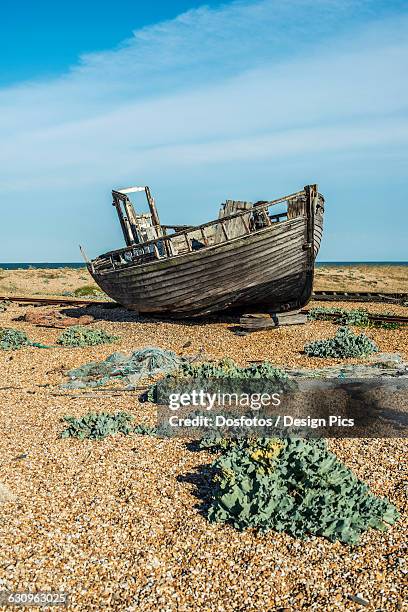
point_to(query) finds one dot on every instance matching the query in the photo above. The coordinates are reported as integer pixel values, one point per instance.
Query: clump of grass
(87, 290)
(79, 335)
(48, 275)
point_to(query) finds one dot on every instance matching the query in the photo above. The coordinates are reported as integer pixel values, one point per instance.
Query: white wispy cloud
(248, 81)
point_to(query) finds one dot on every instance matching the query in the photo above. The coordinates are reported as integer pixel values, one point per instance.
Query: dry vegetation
(362, 278)
(117, 523)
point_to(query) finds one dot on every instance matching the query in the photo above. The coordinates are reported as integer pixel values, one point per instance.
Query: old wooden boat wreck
(248, 259)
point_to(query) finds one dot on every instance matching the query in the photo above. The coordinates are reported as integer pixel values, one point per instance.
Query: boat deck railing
(193, 238)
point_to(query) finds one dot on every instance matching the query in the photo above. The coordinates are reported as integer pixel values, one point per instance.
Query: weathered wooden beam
(124, 223)
(245, 224)
(204, 237)
(178, 228)
(153, 209)
(259, 321)
(187, 241)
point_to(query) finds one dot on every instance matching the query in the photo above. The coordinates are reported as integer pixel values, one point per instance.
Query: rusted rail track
(53, 301)
(374, 318)
(329, 296)
(360, 296)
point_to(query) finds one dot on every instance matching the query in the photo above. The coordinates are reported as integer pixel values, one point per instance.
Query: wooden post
(266, 216)
(153, 210)
(205, 241)
(311, 193)
(187, 241)
(169, 247)
(245, 224)
(224, 231)
(131, 219)
(124, 222)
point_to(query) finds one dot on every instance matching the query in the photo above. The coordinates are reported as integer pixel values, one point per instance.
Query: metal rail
(374, 317)
(360, 296)
(331, 296)
(53, 301)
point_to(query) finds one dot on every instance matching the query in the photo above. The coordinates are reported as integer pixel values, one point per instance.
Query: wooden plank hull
(271, 268)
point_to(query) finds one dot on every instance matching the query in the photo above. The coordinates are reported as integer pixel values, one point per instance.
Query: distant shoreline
(76, 265)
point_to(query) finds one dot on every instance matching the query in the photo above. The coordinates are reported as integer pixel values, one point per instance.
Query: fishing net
(142, 363)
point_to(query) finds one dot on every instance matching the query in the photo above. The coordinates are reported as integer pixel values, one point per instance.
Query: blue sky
(243, 100)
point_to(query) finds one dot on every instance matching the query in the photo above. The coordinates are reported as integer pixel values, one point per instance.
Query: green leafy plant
(295, 486)
(145, 430)
(98, 425)
(79, 335)
(344, 344)
(12, 339)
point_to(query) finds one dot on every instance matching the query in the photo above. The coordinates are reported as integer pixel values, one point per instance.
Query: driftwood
(259, 321)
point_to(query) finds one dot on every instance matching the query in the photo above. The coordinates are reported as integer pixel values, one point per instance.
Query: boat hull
(271, 269)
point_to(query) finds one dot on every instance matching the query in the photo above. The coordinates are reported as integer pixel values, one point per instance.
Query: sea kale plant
(344, 344)
(98, 425)
(295, 486)
(81, 336)
(227, 368)
(13, 339)
(224, 376)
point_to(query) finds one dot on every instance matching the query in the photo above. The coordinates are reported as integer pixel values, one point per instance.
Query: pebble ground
(120, 524)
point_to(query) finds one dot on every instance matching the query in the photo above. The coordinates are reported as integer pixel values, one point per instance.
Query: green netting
(142, 363)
